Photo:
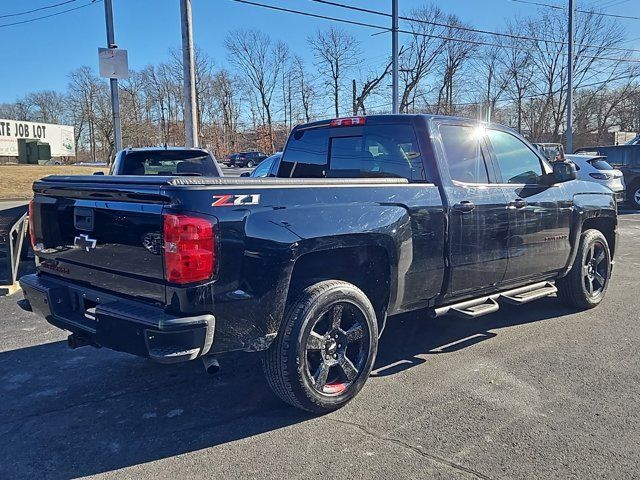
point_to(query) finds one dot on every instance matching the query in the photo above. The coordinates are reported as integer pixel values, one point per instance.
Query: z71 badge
(235, 200)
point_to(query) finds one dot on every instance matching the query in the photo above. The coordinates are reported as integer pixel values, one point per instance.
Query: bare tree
(369, 85)
(495, 78)
(421, 52)
(517, 63)
(47, 106)
(304, 87)
(260, 60)
(336, 53)
(595, 34)
(455, 54)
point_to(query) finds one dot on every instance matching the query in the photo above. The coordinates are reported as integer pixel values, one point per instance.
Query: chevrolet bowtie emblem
(83, 241)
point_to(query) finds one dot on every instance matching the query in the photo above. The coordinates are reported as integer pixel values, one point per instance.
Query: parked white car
(595, 168)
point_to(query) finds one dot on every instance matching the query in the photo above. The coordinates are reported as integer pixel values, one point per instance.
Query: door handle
(464, 206)
(518, 203)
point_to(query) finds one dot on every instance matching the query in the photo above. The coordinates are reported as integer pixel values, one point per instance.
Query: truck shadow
(410, 336)
(66, 414)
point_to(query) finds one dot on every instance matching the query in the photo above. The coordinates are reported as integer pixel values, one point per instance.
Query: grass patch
(16, 181)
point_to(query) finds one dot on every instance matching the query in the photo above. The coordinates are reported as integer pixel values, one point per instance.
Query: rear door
(478, 217)
(539, 214)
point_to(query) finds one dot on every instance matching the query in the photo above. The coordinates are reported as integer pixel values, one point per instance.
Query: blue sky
(40, 54)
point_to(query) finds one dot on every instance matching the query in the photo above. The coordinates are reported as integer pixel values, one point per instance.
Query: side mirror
(564, 171)
(98, 173)
(245, 174)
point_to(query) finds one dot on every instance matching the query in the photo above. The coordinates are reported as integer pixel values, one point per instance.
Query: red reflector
(189, 248)
(348, 122)
(32, 231)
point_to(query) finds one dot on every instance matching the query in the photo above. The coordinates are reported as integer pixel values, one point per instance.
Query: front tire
(587, 281)
(634, 196)
(250, 164)
(326, 347)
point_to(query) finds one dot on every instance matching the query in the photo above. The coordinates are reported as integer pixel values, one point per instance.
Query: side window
(516, 162)
(262, 170)
(305, 155)
(464, 154)
(389, 151)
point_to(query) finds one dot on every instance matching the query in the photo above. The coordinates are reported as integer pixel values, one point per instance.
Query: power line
(420, 34)
(591, 12)
(469, 29)
(46, 7)
(307, 14)
(93, 2)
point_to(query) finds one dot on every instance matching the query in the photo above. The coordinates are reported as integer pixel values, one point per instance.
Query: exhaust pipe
(211, 365)
(75, 341)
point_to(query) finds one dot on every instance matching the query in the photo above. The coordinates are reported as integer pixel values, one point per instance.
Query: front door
(478, 217)
(539, 214)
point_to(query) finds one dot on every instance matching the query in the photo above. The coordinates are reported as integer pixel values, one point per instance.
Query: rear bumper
(117, 323)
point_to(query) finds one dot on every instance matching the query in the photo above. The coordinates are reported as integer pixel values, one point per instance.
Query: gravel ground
(536, 392)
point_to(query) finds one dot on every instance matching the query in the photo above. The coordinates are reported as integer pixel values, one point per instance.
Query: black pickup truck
(368, 217)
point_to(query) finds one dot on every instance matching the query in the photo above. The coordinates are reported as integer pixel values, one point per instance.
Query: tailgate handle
(83, 218)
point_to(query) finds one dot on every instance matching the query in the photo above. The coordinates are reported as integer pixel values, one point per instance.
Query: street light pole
(570, 81)
(394, 55)
(189, 74)
(115, 100)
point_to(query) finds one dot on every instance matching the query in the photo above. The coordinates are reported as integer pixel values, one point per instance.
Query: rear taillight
(600, 176)
(348, 122)
(189, 248)
(32, 231)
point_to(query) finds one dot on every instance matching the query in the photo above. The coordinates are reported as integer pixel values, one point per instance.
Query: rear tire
(587, 281)
(325, 349)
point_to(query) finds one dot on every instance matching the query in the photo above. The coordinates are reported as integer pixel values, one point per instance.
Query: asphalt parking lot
(535, 392)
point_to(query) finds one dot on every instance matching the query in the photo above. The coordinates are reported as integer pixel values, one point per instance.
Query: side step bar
(477, 307)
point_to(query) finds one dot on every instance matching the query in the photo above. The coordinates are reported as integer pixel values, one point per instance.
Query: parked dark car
(244, 159)
(626, 158)
(267, 168)
(369, 217)
(165, 161)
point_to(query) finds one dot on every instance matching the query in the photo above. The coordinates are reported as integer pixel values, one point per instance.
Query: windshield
(168, 163)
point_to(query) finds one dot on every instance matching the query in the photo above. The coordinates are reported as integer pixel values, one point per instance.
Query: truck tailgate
(102, 231)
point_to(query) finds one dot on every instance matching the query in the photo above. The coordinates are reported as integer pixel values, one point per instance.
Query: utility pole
(354, 95)
(189, 74)
(394, 55)
(570, 81)
(115, 100)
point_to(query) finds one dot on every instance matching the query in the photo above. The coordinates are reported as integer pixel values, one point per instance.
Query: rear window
(168, 162)
(600, 164)
(389, 151)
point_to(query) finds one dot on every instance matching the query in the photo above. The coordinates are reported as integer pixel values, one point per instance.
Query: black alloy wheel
(596, 269)
(337, 348)
(586, 283)
(325, 349)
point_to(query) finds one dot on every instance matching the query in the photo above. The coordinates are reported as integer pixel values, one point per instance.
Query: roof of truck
(400, 118)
